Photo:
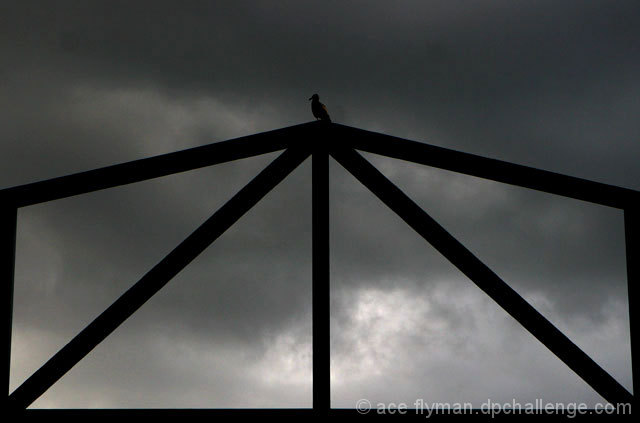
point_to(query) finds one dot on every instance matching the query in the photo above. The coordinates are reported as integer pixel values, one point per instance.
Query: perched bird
(319, 110)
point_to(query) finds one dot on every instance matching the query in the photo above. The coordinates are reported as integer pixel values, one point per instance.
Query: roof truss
(320, 140)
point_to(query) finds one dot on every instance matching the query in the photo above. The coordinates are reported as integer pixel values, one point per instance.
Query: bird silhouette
(319, 110)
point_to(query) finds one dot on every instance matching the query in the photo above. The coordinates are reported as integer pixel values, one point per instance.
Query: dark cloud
(547, 84)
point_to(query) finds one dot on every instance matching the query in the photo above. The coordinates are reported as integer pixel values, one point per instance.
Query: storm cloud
(548, 84)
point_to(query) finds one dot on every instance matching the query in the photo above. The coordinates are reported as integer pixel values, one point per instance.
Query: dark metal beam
(482, 167)
(483, 277)
(153, 167)
(8, 221)
(320, 283)
(156, 278)
(301, 415)
(174, 414)
(632, 239)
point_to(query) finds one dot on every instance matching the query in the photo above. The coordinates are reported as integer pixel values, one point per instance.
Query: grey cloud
(546, 84)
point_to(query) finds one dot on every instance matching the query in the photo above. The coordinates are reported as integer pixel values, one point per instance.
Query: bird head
(315, 97)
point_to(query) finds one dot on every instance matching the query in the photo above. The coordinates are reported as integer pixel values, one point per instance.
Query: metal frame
(320, 140)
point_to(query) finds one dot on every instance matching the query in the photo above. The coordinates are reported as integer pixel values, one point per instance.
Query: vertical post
(8, 221)
(632, 241)
(320, 283)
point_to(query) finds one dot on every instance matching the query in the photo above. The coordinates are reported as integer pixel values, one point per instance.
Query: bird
(319, 110)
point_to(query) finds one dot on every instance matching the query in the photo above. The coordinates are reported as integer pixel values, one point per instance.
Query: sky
(548, 84)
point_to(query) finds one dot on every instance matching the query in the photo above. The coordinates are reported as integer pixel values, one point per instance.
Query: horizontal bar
(286, 414)
(483, 277)
(482, 167)
(156, 278)
(154, 167)
(408, 413)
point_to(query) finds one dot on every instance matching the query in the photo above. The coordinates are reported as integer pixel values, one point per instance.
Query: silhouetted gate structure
(319, 140)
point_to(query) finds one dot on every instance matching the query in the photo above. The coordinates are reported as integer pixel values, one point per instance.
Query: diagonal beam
(153, 167)
(483, 277)
(483, 167)
(156, 278)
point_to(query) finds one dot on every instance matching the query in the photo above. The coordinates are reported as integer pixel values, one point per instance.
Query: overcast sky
(549, 84)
